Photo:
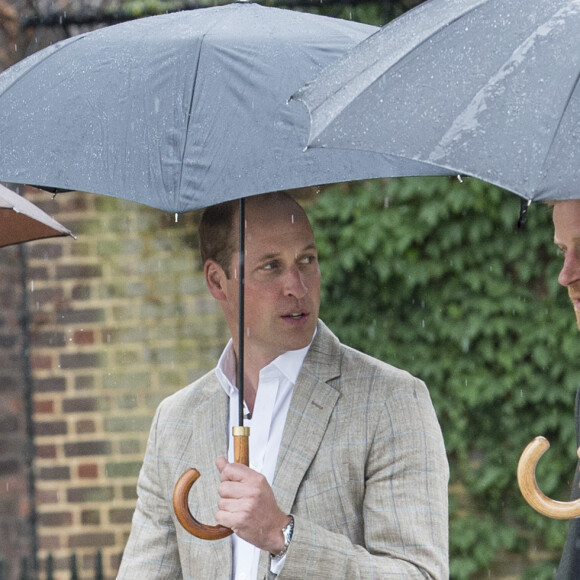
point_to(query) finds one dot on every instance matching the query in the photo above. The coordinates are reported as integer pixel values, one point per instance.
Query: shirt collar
(287, 364)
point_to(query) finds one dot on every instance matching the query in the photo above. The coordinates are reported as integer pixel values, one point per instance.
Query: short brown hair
(215, 232)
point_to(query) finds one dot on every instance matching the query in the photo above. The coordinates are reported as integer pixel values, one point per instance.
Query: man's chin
(301, 339)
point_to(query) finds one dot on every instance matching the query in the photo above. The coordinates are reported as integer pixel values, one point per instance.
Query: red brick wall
(120, 318)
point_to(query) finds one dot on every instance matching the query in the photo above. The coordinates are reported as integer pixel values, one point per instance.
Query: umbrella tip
(523, 219)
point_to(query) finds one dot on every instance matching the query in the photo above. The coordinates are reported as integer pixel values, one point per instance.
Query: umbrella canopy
(180, 111)
(485, 88)
(22, 221)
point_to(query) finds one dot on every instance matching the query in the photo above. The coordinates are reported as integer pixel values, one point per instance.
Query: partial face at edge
(566, 219)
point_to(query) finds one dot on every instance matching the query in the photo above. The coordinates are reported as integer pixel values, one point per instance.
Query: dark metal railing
(49, 569)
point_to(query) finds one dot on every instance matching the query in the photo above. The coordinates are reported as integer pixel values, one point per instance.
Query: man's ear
(215, 278)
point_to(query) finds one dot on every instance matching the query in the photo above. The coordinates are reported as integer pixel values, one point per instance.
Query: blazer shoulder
(355, 358)
(383, 379)
(347, 368)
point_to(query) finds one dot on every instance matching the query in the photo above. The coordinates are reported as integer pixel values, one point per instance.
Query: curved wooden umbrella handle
(558, 510)
(186, 481)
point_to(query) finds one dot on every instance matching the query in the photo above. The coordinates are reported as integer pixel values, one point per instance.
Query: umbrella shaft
(241, 278)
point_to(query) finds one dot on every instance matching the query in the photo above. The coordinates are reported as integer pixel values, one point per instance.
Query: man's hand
(247, 506)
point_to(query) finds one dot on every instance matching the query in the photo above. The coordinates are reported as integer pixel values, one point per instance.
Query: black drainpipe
(29, 409)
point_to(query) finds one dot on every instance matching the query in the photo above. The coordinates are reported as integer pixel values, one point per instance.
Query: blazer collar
(313, 399)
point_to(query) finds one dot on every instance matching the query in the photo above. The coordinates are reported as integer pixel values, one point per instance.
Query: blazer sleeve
(151, 550)
(405, 505)
(570, 559)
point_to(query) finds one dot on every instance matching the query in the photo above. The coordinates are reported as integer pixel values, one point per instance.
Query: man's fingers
(237, 472)
(231, 471)
(221, 462)
(232, 505)
(231, 490)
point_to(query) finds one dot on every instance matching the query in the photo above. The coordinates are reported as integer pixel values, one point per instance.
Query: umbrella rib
(189, 115)
(190, 111)
(344, 91)
(55, 48)
(560, 120)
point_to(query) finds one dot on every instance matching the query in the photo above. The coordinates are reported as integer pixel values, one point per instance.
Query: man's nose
(570, 271)
(294, 283)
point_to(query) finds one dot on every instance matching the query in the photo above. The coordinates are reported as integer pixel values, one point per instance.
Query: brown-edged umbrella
(22, 221)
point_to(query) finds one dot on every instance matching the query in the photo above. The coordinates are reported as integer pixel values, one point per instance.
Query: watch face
(287, 532)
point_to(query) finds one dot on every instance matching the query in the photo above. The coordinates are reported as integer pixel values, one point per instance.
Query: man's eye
(269, 265)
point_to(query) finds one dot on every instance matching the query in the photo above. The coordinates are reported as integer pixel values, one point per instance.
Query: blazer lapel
(312, 405)
(310, 410)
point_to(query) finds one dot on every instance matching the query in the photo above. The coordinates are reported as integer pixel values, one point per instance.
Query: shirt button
(242, 576)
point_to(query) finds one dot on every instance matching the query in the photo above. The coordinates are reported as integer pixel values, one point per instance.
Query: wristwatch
(287, 533)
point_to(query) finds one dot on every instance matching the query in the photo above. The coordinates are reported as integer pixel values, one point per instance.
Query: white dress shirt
(275, 387)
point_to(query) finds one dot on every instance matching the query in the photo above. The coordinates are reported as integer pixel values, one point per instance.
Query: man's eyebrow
(266, 257)
(276, 255)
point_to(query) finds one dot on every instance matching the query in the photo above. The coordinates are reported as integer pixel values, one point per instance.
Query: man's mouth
(295, 315)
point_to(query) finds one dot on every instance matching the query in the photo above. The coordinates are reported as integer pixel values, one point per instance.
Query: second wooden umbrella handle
(532, 494)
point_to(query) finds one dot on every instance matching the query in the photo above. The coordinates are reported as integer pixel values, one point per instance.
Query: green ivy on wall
(434, 275)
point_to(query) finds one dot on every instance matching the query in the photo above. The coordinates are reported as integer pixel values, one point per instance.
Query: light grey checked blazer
(362, 467)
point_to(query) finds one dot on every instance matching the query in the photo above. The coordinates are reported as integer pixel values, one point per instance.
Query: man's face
(282, 281)
(567, 237)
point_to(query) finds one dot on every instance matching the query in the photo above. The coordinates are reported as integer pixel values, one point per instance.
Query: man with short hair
(566, 217)
(348, 474)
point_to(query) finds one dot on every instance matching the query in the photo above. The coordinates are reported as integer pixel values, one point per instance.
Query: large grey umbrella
(22, 221)
(179, 111)
(487, 88)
